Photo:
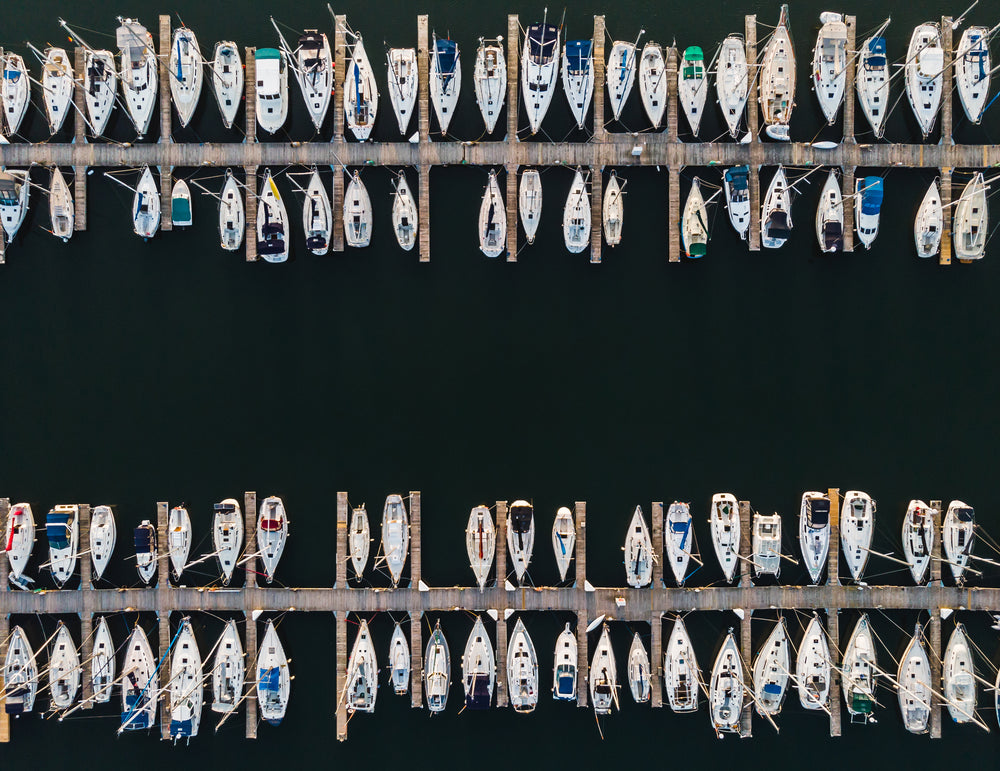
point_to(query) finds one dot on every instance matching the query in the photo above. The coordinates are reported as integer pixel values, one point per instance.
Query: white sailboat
(186, 689)
(480, 543)
(313, 67)
(178, 539)
(958, 534)
(694, 222)
(437, 670)
(857, 524)
(58, 84)
(872, 83)
(402, 84)
(232, 216)
(271, 90)
(726, 527)
(362, 674)
(186, 73)
(613, 211)
(103, 535)
(146, 554)
(357, 213)
(360, 93)
(62, 529)
(771, 669)
(492, 219)
(563, 540)
(620, 75)
(777, 81)
(15, 92)
(274, 681)
(20, 674)
(99, 83)
(479, 668)
(520, 538)
(139, 72)
(814, 532)
(925, 74)
(564, 668)
(766, 544)
(692, 86)
(929, 223)
(140, 692)
(19, 538)
(812, 667)
(359, 541)
(972, 72)
(830, 64)
(64, 669)
(726, 689)
(859, 671)
(522, 670)
(959, 677)
(102, 663)
(578, 78)
(914, 685)
(317, 215)
(918, 539)
(146, 205)
(272, 222)
(970, 227)
(638, 552)
(603, 676)
(732, 82)
(830, 216)
(227, 80)
(404, 214)
(62, 213)
(576, 216)
(539, 71)
(776, 217)
(490, 80)
(446, 80)
(399, 660)
(638, 671)
(228, 670)
(868, 208)
(681, 676)
(653, 82)
(395, 536)
(679, 539)
(529, 199)
(227, 536)
(272, 533)
(15, 189)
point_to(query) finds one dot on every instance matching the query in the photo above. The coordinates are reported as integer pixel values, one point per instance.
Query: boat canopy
(578, 53)
(135, 718)
(777, 225)
(270, 525)
(698, 249)
(930, 62)
(180, 728)
(542, 43)
(446, 53)
(227, 507)
(964, 514)
(871, 197)
(181, 210)
(520, 518)
(862, 703)
(57, 529)
(694, 62)
(833, 234)
(270, 680)
(10, 189)
(267, 53)
(737, 177)
(819, 512)
(772, 689)
(564, 681)
(144, 539)
(876, 54)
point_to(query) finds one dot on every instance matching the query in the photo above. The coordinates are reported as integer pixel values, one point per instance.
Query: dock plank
(513, 62)
(250, 94)
(416, 660)
(252, 566)
(424, 212)
(948, 85)
(656, 661)
(511, 213)
(339, 74)
(849, 97)
(945, 182)
(423, 80)
(674, 214)
(847, 192)
(343, 554)
(166, 132)
(415, 555)
(833, 555)
(833, 632)
(582, 659)
(935, 657)
(250, 194)
(598, 64)
(250, 638)
(673, 106)
(596, 213)
(656, 515)
(341, 677)
(501, 550)
(501, 659)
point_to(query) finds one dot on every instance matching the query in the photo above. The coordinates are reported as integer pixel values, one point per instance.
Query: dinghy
(399, 660)
(564, 670)
(924, 74)
(814, 532)
(144, 539)
(868, 208)
(58, 83)
(914, 685)
(490, 79)
(228, 670)
(603, 676)
(812, 667)
(20, 674)
(726, 527)
(271, 89)
(563, 540)
(638, 552)
(178, 539)
(480, 543)
(929, 223)
(395, 536)
(186, 687)
(520, 537)
(638, 671)
(227, 80)
(402, 84)
(522, 670)
(530, 202)
(732, 82)
(620, 75)
(61, 207)
(15, 92)
(492, 219)
(970, 226)
(314, 73)
(227, 536)
(857, 524)
(872, 83)
(479, 668)
(578, 78)
(146, 205)
(404, 214)
(918, 539)
(360, 93)
(437, 670)
(859, 671)
(694, 222)
(186, 75)
(103, 535)
(359, 540)
(140, 691)
(959, 677)
(830, 216)
(181, 214)
(272, 222)
(613, 211)
(777, 81)
(232, 217)
(736, 186)
(679, 539)
(62, 529)
(64, 669)
(653, 82)
(362, 673)
(972, 72)
(770, 671)
(274, 681)
(446, 80)
(692, 86)
(830, 64)
(776, 217)
(681, 676)
(958, 534)
(139, 72)
(272, 533)
(766, 544)
(19, 538)
(357, 213)
(317, 215)
(576, 216)
(539, 71)
(726, 689)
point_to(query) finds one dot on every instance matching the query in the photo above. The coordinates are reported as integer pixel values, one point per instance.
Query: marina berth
(868, 208)
(830, 64)
(692, 86)
(227, 536)
(139, 690)
(959, 677)
(973, 71)
(227, 80)
(490, 80)
(274, 680)
(918, 539)
(395, 536)
(694, 222)
(186, 68)
(681, 676)
(970, 226)
(638, 671)
(186, 690)
(313, 68)
(20, 674)
(726, 690)
(732, 82)
(830, 216)
(272, 222)
(638, 552)
(480, 543)
(928, 225)
(578, 78)
(362, 673)
(144, 538)
(958, 535)
(913, 685)
(613, 211)
(445, 80)
(872, 83)
(138, 71)
(399, 661)
(62, 530)
(777, 81)
(620, 75)
(771, 671)
(228, 670)
(64, 670)
(814, 532)
(736, 187)
(492, 219)
(99, 82)
(529, 200)
(103, 536)
(317, 215)
(357, 213)
(61, 208)
(859, 672)
(146, 205)
(359, 541)
(776, 214)
(522, 670)
(360, 92)
(479, 668)
(520, 538)
(679, 539)
(272, 534)
(576, 216)
(271, 90)
(813, 667)
(437, 670)
(19, 538)
(58, 84)
(232, 215)
(405, 220)
(539, 71)
(653, 82)
(603, 676)
(15, 92)
(924, 74)
(563, 540)
(564, 670)
(402, 73)
(857, 524)
(767, 544)
(178, 539)
(726, 526)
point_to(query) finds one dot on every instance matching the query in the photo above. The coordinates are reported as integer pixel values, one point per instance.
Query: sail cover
(578, 56)
(542, 43)
(270, 680)
(57, 529)
(446, 54)
(479, 695)
(819, 512)
(737, 178)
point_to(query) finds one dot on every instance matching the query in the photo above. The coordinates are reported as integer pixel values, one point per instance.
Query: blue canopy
(57, 529)
(144, 539)
(578, 53)
(876, 53)
(447, 56)
(542, 42)
(737, 177)
(270, 679)
(772, 689)
(565, 687)
(132, 718)
(180, 728)
(871, 196)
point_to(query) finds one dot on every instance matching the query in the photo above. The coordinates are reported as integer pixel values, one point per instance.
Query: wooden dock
(166, 132)
(750, 40)
(80, 137)
(4, 622)
(580, 591)
(416, 660)
(746, 632)
(424, 150)
(252, 565)
(832, 617)
(250, 107)
(343, 555)
(849, 98)
(501, 681)
(339, 73)
(513, 107)
(250, 637)
(948, 85)
(674, 169)
(598, 64)
(501, 550)
(945, 184)
(341, 653)
(935, 625)
(415, 560)
(596, 213)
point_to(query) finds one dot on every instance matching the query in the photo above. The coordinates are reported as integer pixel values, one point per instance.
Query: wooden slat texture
(343, 555)
(250, 95)
(416, 660)
(166, 132)
(166, 197)
(674, 214)
(513, 61)
(847, 191)
(948, 84)
(80, 135)
(582, 659)
(4, 562)
(656, 660)
(598, 64)
(746, 544)
(337, 207)
(945, 183)
(163, 624)
(833, 631)
(424, 212)
(849, 97)
(596, 213)
(339, 73)
(833, 555)
(750, 39)
(672, 105)
(580, 519)
(86, 654)
(341, 676)
(501, 683)
(501, 550)
(250, 194)
(415, 558)
(423, 80)
(935, 657)
(656, 515)
(511, 213)
(250, 637)
(250, 529)
(750, 34)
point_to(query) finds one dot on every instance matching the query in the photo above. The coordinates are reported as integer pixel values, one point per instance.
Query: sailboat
(140, 692)
(694, 222)
(603, 675)
(99, 83)
(530, 202)
(232, 216)
(766, 544)
(274, 681)
(479, 668)
(178, 539)
(139, 75)
(681, 676)
(830, 216)
(61, 207)
(638, 552)
(620, 75)
(613, 211)
(228, 670)
(732, 82)
(399, 661)
(520, 537)
(914, 684)
(563, 540)
(317, 215)
(186, 684)
(736, 186)
(103, 535)
(959, 677)
(726, 688)
(578, 78)
(692, 86)
(62, 529)
(539, 70)
(770, 671)
(480, 543)
(869, 192)
(227, 536)
(859, 671)
(186, 73)
(872, 83)
(19, 538)
(58, 84)
(924, 74)
(972, 72)
(402, 84)
(814, 532)
(313, 67)
(638, 671)
(918, 539)
(357, 213)
(679, 541)
(437, 670)
(272, 533)
(653, 82)
(812, 667)
(576, 216)
(830, 64)
(958, 534)
(857, 524)
(492, 219)
(446, 80)
(272, 222)
(271, 91)
(359, 540)
(227, 80)
(15, 92)
(777, 81)
(404, 214)
(776, 218)
(64, 669)
(970, 226)
(144, 539)
(362, 673)
(564, 668)
(929, 222)
(522, 670)
(726, 528)
(490, 80)
(146, 205)
(20, 674)
(15, 189)
(360, 93)
(395, 536)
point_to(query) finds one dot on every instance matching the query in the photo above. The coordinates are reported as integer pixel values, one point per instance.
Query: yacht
(446, 80)
(732, 82)
(19, 538)
(972, 72)
(272, 533)
(186, 684)
(479, 668)
(358, 540)
(58, 84)
(492, 219)
(402, 84)
(357, 213)
(64, 669)
(404, 214)
(958, 534)
(918, 539)
(726, 528)
(61, 206)
(638, 552)
(576, 216)
(929, 223)
(139, 72)
(522, 670)
(140, 692)
(399, 660)
(15, 92)
(62, 528)
(395, 536)
(857, 524)
(228, 670)
(227, 80)
(613, 211)
(914, 685)
(227, 536)
(99, 83)
(360, 93)
(146, 555)
(539, 70)
(530, 202)
(520, 537)
(830, 216)
(859, 671)
(186, 67)
(959, 677)
(924, 74)
(578, 78)
(146, 205)
(178, 539)
(437, 670)
(868, 191)
(103, 535)
(692, 86)
(679, 539)
(771, 670)
(563, 540)
(314, 73)
(362, 673)
(830, 64)
(970, 226)
(15, 189)
(777, 80)
(767, 544)
(776, 217)
(653, 83)
(812, 667)
(272, 222)
(317, 215)
(735, 183)
(480, 543)
(620, 75)
(726, 689)
(271, 89)
(232, 216)
(20, 674)
(638, 671)
(694, 222)
(814, 532)
(564, 670)
(603, 676)
(490, 79)
(681, 676)
(872, 83)
(274, 681)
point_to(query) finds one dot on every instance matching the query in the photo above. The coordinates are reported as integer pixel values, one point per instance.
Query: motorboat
(138, 71)
(139, 689)
(271, 91)
(274, 681)
(404, 214)
(603, 676)
(732, 83)
(638, 671)
(777, 81)
(146, 556)
(564, 670)
(399, 660)
(178, 539)
(479, 668)
(15, 92)
(918, 539)
(272, 222)
(694, 222)
(857, 524)
(872, 83)
(103, 535)
(359, 540)
(767, 544)
(317, 215)
(681, 676)
(362, 673)
(186, 67)
(972, 72)
(578, 78)
(520, 537)
(812, 667)
(64, 669)
(522, 670)
(692, 86)
(62, 529)
(227, 80)
(620, 75)
(563, 540)
(146, 205)
(539, 71)
(186, 684)
(736, 187)
(228, 670)
(771, 670)
(360, 93)
(480, 543)
(19, 538)
(679, 539)
(576, 216)
(437, 670)
(395, 536)
(814, 532)
(638, 552)
(314, 72)
(868, 191)
(62, 213)
(924, 69)
(402, 84)
(913, 684)
(492, 219)
(613, 211)
(859, 672)
(929, 223)
(232, 216)
(446, 80)
(726, 528)
(726, 688)
(272, 534)
(830, 64)
(20, 674)
(958, 535)
(58, 83)
(653, 82)
(357, 213)
(529, 199)
(776, 216)
(959, 677)
(970, 226)
(490, 80)
(227, 536)
(830, 216)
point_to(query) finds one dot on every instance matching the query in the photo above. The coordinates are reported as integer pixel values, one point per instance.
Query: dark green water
(171, 371)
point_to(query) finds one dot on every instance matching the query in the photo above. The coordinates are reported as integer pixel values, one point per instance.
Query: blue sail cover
(270, 680)
(772, 689)
(542, 43)
(871, 196)
(180, 729)
(132, 718)
(876, 54)
(447, 56)
(578, 53)
(564, 686)
(57, 529)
